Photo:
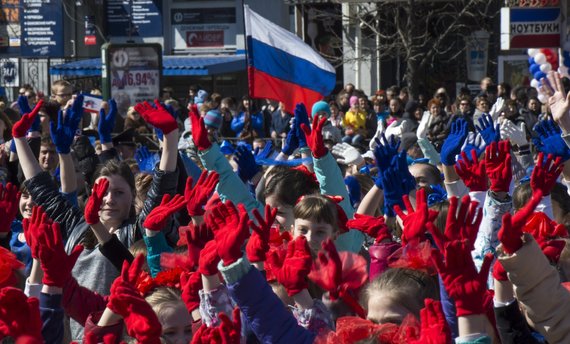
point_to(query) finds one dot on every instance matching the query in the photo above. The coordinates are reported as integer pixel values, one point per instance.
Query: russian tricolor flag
(282, 67)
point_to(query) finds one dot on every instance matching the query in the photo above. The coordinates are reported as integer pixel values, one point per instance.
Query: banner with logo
(204, 28)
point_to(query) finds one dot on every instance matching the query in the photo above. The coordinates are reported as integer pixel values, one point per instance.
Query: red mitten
(472, 172)
(499, 272)
(197, 196)
(511, 231)
(230, 230)
(293, 271)
(498, 165)
(199, 131)
(125, 300)
(464, 226)
(9, 201)
(552, 249)
(156, 220)
(158, 117)
(20, 316)
(315, 137)
(55, 263)
(191, 284)
(21, 127)
(460, 277)
(95, 201)
(545, 174)
(230, 331)
(415, 220)
(434, 328)
(374, 227)
(258, 243)
(196, 238)
(209, 259)
(33, 227)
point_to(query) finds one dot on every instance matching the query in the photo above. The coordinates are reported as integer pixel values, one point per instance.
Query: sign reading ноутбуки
(523, 28)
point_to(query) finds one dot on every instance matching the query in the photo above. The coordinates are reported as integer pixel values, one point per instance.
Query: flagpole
(245, 46)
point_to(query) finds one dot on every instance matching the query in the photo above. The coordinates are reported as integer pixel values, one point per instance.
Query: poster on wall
(204, 28)
(514, 70)
(9, 75)
(10, 29)
(131, 73)
(135, 18)
(42, 28)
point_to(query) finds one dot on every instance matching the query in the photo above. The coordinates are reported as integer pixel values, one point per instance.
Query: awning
(172, 66)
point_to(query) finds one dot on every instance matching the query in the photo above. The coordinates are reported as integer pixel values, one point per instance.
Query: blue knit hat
(213, 119)
(321, 106)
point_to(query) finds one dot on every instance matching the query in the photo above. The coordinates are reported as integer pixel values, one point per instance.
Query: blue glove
(549, 140)
(291, 141)
(353, 188)
(301, 117)
(385, 152)
(171, 111)
(63, 133)
(107, 122)
(264, 153)
(489, 132)
(393, 190)
(247, 167)
(146, 160)
(24, 105)
(476, 142)
(452, 144)
(401, 163)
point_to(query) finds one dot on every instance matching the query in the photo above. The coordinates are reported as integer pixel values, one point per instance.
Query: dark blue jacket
(51, 313)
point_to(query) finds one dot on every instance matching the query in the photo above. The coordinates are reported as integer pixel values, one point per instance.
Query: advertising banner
(42, 28)
(523, 28)
(204, 28)
(135, 18)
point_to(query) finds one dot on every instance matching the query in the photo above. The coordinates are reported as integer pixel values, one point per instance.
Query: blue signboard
(42, 28)
(134, 18)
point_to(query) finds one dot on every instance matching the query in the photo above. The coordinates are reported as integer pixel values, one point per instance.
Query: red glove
(159, 118)
(55, 263)
(21, 127)
(230, 230)
(196, 238)
(230, 330)
(415, 221)
(197, 196)
(293, 271)
(95, 201)
(460, 278)
(434, 328)
(199, 131)
(374, 227)
(156, 220)
(545, 175)
(552, 249)
(315, 137)
(20, 317)
(499, 272)
(511, 232)
(191, 283)
(38, 223)
(472, 172)
(464, 226)
(9, 202)
(126, 301)
(93, 338)
(258, 243)
(498, 165)
(209, 259)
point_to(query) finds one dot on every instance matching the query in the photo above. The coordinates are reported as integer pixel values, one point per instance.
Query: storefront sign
(42, 28)
(204, 27)
(523, 28)
(135, 18)
(132, 73)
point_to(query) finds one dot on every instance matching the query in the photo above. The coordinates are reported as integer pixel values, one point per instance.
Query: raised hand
(454, 141)
(9, 201)
(264, 153)
(107, 122)
(95, 201)
(157, 116)
(434, 328)
(293, 271)
(314, 137)
(415, 220)
(21, 127)
(474, 141)
(196, 196)
(292, 140)
(146, 160)
(191, 284)
(258, 243)
(209, 259)
(463, 226)
(301, 117)
(385, 151)
(511, 231)
(156, 220)
(498, 165)
(63, 133)
(24, 105)
(393, 186)
(55, 263)
(472, 172)
(230, 230)
(20, 317)
(247, 166)
(126, 301)
(348, 154)
(199, 131)
(559, 103)
(549, 140)
(517, 135)
(489, 131)
(545, 174)
(374, 227)
(33, 227)
(197, 236)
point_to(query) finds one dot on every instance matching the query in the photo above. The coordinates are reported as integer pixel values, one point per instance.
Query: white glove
(496, 109)
(517, 135)
(348, 154)
(378, 134)
(423, 126)
(475, 140)
(394, 129)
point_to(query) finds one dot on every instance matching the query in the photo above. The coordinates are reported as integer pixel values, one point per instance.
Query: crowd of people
(391, 219)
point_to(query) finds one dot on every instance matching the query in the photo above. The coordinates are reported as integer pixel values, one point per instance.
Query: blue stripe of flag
(534, 14)
(293, 69)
